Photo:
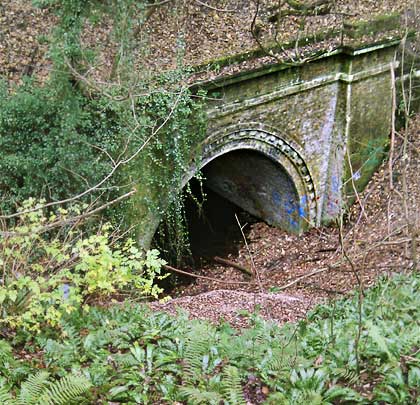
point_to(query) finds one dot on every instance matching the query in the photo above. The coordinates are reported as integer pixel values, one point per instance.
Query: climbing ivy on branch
(79, 138)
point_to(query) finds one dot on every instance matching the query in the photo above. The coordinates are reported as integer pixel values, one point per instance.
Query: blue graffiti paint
(301, 212)
(276, 196)
(302, 206)
(290, 210)
(293, 223)
(290, 206)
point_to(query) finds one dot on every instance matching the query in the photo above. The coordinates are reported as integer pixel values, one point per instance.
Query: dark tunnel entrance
(242, 182)
(213, 227)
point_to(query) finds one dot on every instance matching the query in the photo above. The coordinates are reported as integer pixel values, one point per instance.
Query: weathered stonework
(289, 202)
(312, 134)
(331, 112)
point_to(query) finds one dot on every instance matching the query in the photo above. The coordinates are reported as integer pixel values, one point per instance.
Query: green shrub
(44, 276)
(51, 146)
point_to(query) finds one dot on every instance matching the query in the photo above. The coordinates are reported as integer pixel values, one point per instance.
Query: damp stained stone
(271, 135)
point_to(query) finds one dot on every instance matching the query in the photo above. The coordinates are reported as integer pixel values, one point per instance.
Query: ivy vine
(148, 121)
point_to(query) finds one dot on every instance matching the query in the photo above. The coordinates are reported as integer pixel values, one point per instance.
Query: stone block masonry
(293, 144)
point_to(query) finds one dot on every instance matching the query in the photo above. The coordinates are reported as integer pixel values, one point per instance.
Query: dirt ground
(181, 32)
(293, 273)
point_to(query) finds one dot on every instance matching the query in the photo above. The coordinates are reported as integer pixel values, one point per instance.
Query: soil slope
(182, 31)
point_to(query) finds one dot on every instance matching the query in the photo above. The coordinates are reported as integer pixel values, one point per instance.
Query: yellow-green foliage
(44, 274)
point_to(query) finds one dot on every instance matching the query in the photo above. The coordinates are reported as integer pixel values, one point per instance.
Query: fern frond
(277, 362)
(376, 335)
(32, 388)
(66, 390)
(37, 389)
(73, 335)
(197, 349)
(6, 397)
(342, 394)
(125, 360)
(348, 375)
(5, 350)
(232, 387)
(195, 396)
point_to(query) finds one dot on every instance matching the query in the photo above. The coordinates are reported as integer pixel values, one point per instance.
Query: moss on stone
(270, 48)
(382, 23)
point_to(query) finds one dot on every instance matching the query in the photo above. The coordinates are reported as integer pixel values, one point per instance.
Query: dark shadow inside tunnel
(257, 184)
(242, 182)
(212, 227)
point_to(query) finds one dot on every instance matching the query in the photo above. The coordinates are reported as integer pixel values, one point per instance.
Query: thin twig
(226, 262)
(393, 112)
(71, 220)
(187, 273)
(222, 10)
(296, 280)
(251, 258)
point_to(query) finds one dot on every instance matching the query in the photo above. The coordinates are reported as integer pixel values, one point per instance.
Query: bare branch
(296, 280)
(108, 176)
(222, 10)
(71, 220)
(186, 273)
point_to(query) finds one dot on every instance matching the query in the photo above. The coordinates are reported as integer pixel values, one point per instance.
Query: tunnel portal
(256, 184)
(283, 142)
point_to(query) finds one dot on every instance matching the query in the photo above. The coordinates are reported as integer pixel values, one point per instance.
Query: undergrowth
(127, 354)
(75, 137)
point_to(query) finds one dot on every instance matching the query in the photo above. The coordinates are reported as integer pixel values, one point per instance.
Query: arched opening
(244, 182)
(258, 185)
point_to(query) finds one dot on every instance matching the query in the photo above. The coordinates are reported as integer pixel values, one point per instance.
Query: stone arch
(285, 155)
(290, 188)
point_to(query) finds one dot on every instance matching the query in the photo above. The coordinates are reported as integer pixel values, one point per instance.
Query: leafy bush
(44, 276)
(51, 144)
(67, 135)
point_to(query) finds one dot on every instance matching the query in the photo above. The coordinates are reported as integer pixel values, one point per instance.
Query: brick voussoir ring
(255, 139)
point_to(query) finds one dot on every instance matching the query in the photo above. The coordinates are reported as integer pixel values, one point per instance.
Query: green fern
(377, 336)
(33, 388)
(342, 394)
(195, 396)
(37, 389)
(348, 375)
(65, 391)
(125, 360)
(278, 360)
(6, 397)
(232, 387)
(196, 354)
